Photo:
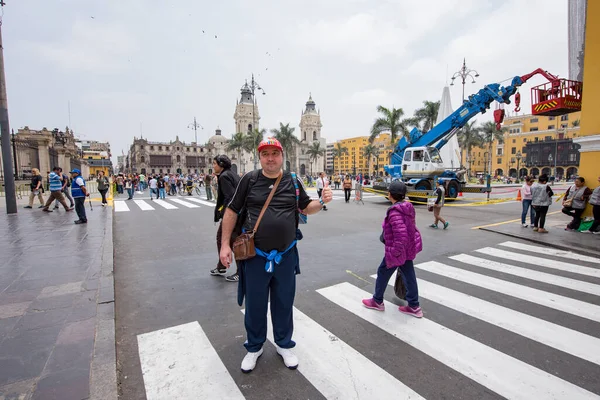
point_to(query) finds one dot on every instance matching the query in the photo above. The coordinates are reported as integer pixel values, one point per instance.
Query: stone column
(44, 158)
(61, 161)
(67, 162)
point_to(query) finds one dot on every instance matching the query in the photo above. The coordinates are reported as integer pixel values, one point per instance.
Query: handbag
(399, 287)
(243, 245)
(569, 202)
(431, 203)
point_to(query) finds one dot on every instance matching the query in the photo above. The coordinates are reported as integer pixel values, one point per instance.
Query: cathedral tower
(310, 123)
(246, 111)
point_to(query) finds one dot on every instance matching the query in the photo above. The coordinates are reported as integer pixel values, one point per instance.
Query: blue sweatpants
(408, 276)
(281, 286)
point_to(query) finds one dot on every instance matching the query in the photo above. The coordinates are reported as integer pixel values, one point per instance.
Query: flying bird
(215, 36)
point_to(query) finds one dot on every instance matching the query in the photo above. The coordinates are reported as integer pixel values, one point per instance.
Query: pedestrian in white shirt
(322, 183)
(153, 187)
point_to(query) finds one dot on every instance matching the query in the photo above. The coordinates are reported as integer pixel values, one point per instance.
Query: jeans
(173, 189)
(281, 286)
(208, 193)
(161, 192)
(408, 276)
(527, 205)
(596, 212)
(120, 189)
(103, 193)
(130, 192)
(80, 208)
(576, 214)
(540, 216)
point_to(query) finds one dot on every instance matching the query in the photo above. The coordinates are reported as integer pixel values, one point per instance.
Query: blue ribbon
(273, 255)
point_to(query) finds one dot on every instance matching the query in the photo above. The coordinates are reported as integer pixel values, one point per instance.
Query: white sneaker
(525, 225)
(289, 358)
(249, 361)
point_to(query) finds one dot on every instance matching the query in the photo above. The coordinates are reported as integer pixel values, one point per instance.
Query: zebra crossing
(157, 204)
(179, 362)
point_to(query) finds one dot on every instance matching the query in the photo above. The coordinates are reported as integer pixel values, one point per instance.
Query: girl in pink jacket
(402, 242)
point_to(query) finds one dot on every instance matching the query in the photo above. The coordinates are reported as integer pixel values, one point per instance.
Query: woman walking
(347, 188)
(526, 200)
(103, 185)
(36, 188)
(541, 198)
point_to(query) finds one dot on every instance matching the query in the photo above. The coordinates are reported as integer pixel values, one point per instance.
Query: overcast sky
(123, 64)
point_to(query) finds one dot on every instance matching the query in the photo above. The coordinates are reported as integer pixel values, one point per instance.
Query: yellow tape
(357, 277)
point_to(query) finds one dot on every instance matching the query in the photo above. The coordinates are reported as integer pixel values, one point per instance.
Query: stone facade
(310, 131)
(167, 157)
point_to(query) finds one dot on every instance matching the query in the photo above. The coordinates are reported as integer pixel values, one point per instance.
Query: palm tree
(389, 121)
(338, 151)
(427, 115)
(314, 151)
(252, 140)
(237, 143)
(468, 137)
(575, 123)
(288, 140)
(489, 135)
(370, 151)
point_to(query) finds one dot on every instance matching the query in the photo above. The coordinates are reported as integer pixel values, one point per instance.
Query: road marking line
(184, 203)
(507, 222)
(550, 251)
(483, 364)
(204, 202)
(180, 363)
(143, 205)
(551, 300)
(164, 204)
(336, 369)
(542, 262)
(120, 206)
(561, 281)
(564, 339)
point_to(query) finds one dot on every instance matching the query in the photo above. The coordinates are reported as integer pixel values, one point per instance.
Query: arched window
(304, 136)
(314, 135)
(178, 158)
(142, 159)
(249, 127)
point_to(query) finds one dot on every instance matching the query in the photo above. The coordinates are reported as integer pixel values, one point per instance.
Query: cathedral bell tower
(246, 111)
(310, 123)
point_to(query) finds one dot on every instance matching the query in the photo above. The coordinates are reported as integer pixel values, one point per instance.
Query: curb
(583, 251)
(103, 372)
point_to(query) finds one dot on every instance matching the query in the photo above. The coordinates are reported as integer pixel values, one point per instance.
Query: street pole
(195, 126)
(463, 73)
(14, 147)
(9, 179)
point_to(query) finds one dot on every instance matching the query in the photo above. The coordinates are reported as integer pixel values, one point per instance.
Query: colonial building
(97, 155)
(310, 132)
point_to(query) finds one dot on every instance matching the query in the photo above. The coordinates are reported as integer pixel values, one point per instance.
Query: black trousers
(219, 232)
(596, 212)
(540, 216)
(80, 208)
(347, 193)
(103, 193)
(576, 214)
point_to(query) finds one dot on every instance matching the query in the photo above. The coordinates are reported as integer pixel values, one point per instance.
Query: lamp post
(253, 87)
(463, 73)
(518, 156)
(195, 125)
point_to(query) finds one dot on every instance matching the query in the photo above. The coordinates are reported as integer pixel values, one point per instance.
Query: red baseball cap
(270, 142)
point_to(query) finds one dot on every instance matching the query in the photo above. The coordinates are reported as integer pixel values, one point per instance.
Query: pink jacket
(526, 192)
(402, 238)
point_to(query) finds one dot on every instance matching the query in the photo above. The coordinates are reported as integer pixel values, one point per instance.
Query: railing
(22, 190)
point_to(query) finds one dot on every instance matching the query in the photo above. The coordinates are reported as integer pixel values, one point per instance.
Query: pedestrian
(440, 192)
(161, 187)
(402, 242)
(56, 182)
(347, 188)
(130, 186)
(120, 181)
(273, 270)
(575, 201)
(207, 185)
(66, 189)
(322, 182)
(228, 182)
(36, 187)
(541, 199)
(153, 187)
(595, 202)
(103, 186)
(526, 201)
(79, 192)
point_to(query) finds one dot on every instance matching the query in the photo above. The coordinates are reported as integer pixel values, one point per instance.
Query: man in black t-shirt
(273, 270)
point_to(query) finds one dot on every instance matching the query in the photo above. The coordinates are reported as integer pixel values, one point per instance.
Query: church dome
(218, 137)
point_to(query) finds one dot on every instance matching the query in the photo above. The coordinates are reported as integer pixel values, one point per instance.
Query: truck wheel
(453, 190)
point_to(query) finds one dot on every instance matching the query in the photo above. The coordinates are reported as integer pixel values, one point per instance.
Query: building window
(523, 150)
(178, 158)
(500, 151)
(548, 138)
(160, 148)
(315, 135)
(533, 129)
(514, 140)
(167, 148)
(533, 120)
(142, 147)
(187, 149)
(177, 148)
(160, 171)
(143, 159)
(151, 147)
(499, 161)
(550, 126)
(168, 170)
(564, 117)
(513, 150)
(551, 118)
(153, 171)
(563, 125)
(524, 140)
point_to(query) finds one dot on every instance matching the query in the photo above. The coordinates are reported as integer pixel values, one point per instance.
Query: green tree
(237, 144)
(575, 123)
(490, 134)
(252, 141)
(389, 121)
(468, 137)
(426, 115)
(288, 140)
(370, 151)
(314, 151)
(337, 152)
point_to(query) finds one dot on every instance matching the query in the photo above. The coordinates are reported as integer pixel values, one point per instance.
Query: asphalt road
(162, 259)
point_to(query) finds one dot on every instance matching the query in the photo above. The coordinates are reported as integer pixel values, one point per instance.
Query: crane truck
(417, 160)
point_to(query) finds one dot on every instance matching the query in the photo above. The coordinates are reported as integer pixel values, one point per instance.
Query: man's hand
(225, 255)
(327, 194)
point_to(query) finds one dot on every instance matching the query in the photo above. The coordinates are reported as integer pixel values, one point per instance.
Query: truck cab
(422, 162)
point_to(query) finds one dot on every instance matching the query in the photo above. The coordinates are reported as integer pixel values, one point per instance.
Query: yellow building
(354, 161)
(98, 161)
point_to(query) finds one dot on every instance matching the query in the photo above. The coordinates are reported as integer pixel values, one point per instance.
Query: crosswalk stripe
(120, 206)
(143, 205)
(551, 300)
(497, 371)
(346, 374)
(184, 203)
(550, 252)
(568, 340)
(206, 203)
(542, 262)
(561, 281)
(180, 363)
(164, 204)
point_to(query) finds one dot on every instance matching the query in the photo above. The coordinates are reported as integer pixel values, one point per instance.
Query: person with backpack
(403, 242)
(574, 202)
(268, 202)
(66, 189)
(541, 199)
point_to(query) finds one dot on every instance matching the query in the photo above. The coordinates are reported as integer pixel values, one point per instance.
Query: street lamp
(463, 73)
(518, 156)
(195, 125)
(254, 86)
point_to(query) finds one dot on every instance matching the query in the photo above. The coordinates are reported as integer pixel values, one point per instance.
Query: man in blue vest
(79, 193)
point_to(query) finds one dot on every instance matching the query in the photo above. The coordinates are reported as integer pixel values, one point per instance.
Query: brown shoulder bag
(243, 246)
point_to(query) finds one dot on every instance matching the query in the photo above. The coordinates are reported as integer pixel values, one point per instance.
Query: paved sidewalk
(56, 305)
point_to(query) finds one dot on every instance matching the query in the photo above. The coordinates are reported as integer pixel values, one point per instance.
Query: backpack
(302, 218)
(67, 179)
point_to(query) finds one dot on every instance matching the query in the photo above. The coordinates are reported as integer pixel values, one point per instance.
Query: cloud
(370, 98)
(121, 101)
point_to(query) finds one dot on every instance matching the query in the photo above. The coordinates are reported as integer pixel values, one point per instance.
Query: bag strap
(262, 212)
